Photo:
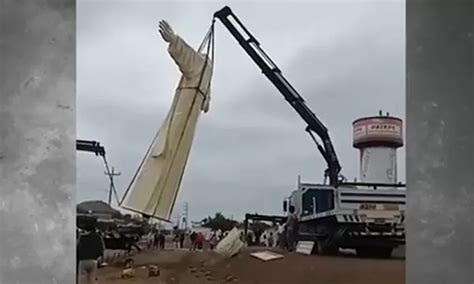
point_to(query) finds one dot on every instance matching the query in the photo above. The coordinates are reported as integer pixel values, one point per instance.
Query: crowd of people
(156, 240)
(194, 240)
(91, 245)
(283, 235)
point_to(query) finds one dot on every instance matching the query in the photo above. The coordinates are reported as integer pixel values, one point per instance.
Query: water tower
(378, 138)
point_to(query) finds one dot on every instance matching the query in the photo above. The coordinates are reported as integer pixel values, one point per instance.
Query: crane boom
(90, 146)
(274, 74)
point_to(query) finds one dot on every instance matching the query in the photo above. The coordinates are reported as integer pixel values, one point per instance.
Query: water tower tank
(378, 138)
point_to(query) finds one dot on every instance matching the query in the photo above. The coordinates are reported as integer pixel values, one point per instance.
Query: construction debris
(153, 271)
(231, 278)
(231, 244)
(128, 273)
(305, 247)
(176, 266)
(266, 255)
(129, 269)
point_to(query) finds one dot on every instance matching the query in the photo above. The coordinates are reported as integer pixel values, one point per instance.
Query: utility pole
(185, 216)
(111, 175)
(178, 223)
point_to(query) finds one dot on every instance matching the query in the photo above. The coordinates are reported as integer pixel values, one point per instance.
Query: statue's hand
(166, 31)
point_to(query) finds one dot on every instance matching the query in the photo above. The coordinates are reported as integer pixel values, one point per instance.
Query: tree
(219, 222)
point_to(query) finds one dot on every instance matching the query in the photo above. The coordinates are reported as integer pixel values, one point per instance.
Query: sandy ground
(184, 267)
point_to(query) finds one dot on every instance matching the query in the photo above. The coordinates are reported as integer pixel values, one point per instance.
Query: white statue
(189, 61)
(154, 188)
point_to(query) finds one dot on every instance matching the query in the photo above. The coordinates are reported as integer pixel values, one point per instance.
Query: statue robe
(155, 186)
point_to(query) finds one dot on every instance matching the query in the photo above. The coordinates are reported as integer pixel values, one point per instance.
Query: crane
(314, 126)
(99, 150)
(326, 213)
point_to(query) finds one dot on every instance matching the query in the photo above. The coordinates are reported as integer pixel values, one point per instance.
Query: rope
(209, 40)
(142, 162)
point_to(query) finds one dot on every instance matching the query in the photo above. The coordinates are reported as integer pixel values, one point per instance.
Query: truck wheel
(363, 252)
(374, 252)
(324, 248)
(384, 252)
(326, 245)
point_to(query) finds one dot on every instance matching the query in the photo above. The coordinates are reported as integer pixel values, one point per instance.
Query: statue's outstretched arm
(187, 59)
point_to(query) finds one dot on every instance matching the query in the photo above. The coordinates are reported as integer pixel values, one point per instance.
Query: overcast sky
(347, 59)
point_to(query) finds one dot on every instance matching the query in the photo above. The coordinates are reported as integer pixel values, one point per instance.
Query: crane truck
(367, 217)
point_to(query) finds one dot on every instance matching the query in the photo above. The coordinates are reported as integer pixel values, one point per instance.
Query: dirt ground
(184, 267)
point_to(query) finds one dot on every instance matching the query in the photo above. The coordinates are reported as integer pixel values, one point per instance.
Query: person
(156, 240)
(249, 239)
(132, 242)
(176, 239)
(270, 239)
(263, 239)
(181, 240)
(200, 240)
(281, 243)
(291, 229)
(193, 241)
(150, 239)
(90, 248)
(161, 239)
(78, 235)
(213, 241)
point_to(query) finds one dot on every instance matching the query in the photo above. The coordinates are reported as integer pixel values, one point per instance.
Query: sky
(346, 58)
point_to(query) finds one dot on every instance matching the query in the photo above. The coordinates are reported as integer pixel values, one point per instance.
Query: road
(184, 267)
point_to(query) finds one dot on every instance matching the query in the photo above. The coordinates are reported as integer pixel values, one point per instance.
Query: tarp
(155, 186)
(231, 244)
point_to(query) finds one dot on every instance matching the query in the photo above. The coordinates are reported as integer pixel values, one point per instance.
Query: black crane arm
(90, 146)
(273, 73)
